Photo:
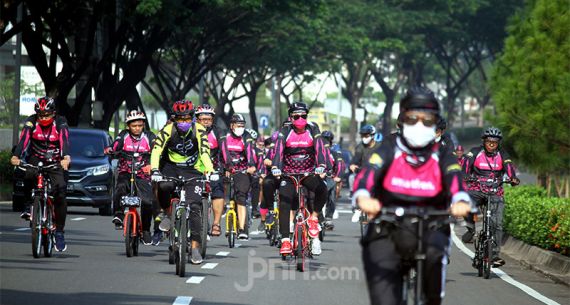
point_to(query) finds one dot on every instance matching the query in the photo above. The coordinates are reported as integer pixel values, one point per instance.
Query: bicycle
(179, 232)
(413, 279)
(301, 240)
(42, 224)
(231, 213)
(132, 225)
(272, 222)
(485, 241)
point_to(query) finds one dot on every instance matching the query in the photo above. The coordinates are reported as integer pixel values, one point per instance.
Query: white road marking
(195, 280)
(78, 218)
(209, 266)
(237, 245)
(502, 275)
(254, 233)
(344, 211)
(182, 301)
(21, 229)
(222, 253)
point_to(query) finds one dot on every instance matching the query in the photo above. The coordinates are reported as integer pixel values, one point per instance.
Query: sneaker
(335, 214)
(316, 246)
(26, 215)
(164, 224)
(196, 257)
(60, 241)
(156, 237)
(329, 225)
(118, 221)
(498, 262)
(242, 235)
(355, 216)
(468, 236)
(261, 226)
(255, 214)
(285, 246)
(146, 238)
(314, 227)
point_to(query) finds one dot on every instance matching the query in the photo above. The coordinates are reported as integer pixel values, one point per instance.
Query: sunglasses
(45, 115)
(427, 120)
(298, 116)
(183, 120)
(489, 141)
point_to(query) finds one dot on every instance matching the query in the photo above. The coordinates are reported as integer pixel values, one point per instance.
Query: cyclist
(459, 154)
(442, 137)
(205, 115)
(258, 153)
(410, 172)
(45, 138)
(132, 140)
(300, 149)
(362, 152)
(336, 167)
(181, 149)
(269, 182)
(489, 161)
(238, 156)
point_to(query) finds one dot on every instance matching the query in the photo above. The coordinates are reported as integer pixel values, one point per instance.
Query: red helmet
(44, 105)
(183, 107)
(459, 148)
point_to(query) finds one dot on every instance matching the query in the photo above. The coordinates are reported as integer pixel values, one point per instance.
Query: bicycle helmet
(492, 132)
(134, 115)
(182, 108)
(419, 98)
(252, 133)
(298, 107)
(367, 129)
(44, 105)
(237, 118)
(205, 109)
(459, 148)
(327, 135)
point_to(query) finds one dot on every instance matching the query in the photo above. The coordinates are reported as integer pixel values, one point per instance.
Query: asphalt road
(95, 270)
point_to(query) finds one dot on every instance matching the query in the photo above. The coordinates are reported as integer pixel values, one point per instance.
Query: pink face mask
(300, 123)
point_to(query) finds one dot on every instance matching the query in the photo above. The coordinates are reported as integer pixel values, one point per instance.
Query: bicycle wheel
(478, 258)
(488, 261)
(231, 231)
(36, 225)
(128, 235)
(182, 246)
(136, 240)
(48, 236)
(205, 226)
(171, 234)
(300, 250)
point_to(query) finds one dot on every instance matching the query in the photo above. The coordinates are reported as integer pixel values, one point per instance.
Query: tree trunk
(252, 96)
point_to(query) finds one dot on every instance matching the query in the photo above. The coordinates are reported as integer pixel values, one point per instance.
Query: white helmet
(135, 115)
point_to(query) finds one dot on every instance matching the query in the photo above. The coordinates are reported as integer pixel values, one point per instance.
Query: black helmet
(419, 98)
(327, 135)
(441, 124)
(237, 118)
(44, 104)
(492, 132)
(367, 129)
(298, 106)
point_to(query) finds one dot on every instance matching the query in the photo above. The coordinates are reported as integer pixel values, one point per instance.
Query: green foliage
(6, 169)
(467, 134)
(531, 82)
(536, 219)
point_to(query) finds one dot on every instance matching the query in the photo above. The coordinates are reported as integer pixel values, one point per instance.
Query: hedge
(536, 219)
(6, 169)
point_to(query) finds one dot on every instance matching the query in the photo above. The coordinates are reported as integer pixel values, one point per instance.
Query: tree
(530, 86)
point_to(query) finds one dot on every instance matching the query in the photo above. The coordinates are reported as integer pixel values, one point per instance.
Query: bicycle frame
(300, 234)
(272, 228)
(231, 215)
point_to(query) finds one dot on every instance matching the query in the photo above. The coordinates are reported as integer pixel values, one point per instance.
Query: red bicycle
(301, 240)
(42, 224)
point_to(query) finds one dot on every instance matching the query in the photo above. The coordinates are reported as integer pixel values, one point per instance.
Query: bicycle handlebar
(40, 166)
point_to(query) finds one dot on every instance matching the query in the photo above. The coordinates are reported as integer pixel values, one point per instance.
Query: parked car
(91, 173)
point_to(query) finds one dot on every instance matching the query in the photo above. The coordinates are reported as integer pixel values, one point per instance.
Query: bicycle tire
(172, 234)
(205, 226)
(489, 258)
(183, 245)
(300, 250)
(136, 240)
(36, 225)
(49, 236)
(231, 232)
(128, 236)
(478, 258)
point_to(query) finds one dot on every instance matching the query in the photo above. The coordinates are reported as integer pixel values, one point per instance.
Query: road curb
(554, 265)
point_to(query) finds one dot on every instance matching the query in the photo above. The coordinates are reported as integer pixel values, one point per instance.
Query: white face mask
(238, 131)
(367, 140)
(438, 139)
(418, 135)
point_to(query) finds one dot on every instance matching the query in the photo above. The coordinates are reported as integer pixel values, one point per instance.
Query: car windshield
(86, 145)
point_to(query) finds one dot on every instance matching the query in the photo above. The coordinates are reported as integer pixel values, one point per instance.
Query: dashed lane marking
(21, 229)
(195, 280)
(182, 300)
(209, 265)
(78, 218)
(222, 253)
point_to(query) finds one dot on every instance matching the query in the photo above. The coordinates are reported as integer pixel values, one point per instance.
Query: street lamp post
(17, 81)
